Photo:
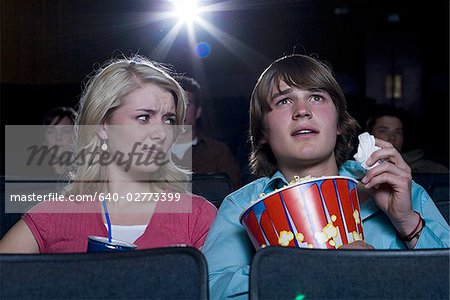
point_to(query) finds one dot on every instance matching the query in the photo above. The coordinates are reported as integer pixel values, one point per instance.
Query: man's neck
(189, 136)
(324, 168)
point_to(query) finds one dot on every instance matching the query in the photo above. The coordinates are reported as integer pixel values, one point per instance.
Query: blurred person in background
(208, 155)
(389, 123)
(59, 133)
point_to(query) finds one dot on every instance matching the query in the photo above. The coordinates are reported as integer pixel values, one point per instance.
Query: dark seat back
(161, 273)
(213, 187)
(7, 220)
(444, 208)
(438, 187)
(292, 273)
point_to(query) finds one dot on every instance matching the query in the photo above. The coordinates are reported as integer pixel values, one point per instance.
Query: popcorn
(365, 148)
(356, 216)
(285, 238)
(297, 179)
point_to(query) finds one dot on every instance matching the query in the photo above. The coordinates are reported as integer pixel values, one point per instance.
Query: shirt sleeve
(205, 214)
(40, 226)
(436, 233)
(228, 251)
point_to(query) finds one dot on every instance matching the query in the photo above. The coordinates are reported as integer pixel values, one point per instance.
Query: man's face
(193, 112)
(301, 127)
(389, 129)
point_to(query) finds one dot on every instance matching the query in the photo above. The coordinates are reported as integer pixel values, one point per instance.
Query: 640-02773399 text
(57, 197)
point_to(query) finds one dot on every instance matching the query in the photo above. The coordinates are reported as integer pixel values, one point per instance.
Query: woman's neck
(130, 201)
(125, 185)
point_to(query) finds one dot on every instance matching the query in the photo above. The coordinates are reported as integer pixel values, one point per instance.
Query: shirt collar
(275, 182)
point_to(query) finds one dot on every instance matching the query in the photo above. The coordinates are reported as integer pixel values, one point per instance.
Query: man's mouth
(304, 131)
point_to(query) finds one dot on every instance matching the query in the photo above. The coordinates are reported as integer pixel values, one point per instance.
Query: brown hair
(306, 73)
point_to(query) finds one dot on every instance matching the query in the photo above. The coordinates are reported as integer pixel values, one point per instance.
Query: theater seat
(438, 187)
(7, 220)
(444, 208)
(212, 186)
(161, 273)
(292, 273)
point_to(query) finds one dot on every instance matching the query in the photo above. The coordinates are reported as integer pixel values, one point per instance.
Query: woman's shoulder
(184, 202)
(65, 204)
(200, 202)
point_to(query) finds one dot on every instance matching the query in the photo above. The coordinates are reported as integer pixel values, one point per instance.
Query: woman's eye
(143, 118)
(170, 121)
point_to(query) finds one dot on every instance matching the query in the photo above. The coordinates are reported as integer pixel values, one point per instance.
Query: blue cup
(100, 244)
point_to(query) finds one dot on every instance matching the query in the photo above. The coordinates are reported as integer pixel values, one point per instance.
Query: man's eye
(50, 132)
(316, 98)
(67, 131)
(282, 101)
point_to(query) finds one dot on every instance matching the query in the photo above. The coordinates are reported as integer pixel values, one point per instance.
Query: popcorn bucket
(317, 213)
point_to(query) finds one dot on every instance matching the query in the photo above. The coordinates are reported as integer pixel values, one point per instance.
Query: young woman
(123, 134)
(299, 126)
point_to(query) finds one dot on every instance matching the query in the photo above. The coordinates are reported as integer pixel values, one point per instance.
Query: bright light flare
(188, 14)
(187, 11)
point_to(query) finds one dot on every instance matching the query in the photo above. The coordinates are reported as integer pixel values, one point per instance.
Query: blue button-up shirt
(229, 251)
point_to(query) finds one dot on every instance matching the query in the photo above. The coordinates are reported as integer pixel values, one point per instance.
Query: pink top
(57, 232)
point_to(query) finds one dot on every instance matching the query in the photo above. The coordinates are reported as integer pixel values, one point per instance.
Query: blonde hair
(306, 73)
(102, 95)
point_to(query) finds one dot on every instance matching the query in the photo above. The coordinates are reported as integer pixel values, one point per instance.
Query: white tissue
(365, 148)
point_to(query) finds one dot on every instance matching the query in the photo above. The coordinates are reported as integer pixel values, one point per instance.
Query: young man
(299, 127)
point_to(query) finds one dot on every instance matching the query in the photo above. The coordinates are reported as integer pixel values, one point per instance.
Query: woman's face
(141, 129)
(59, 134)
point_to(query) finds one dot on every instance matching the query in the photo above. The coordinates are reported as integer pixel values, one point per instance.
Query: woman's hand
(390, 185)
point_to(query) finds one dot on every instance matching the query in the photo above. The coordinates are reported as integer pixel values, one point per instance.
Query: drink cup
(99, 244)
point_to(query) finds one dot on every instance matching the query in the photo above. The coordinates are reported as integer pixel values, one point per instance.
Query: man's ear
(198, 112)
(101, 131)
(339, 131)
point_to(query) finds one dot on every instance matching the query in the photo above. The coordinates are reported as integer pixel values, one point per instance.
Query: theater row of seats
(276, 272)
(182, 273)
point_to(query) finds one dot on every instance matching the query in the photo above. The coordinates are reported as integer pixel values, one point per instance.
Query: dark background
(49, 47)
